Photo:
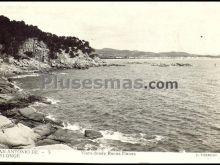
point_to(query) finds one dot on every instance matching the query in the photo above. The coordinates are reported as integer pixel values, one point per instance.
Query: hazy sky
(192, 27)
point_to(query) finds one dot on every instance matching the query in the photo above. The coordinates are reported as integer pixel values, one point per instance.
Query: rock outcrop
(19, 136)
(34, 56)
(22, 126)
(17, 132)
(66, 136)
(44, 130)
(93, 134)
(31, 114)
(20, 100)
(80, 61)
(33, 48)
(6, 86)
(5, 122)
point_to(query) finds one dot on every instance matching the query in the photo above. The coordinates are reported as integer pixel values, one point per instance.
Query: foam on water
(154, 112)
(17, 87)
(73, 127)
(25, 75)
(52, 101)
(129, 138)
(63, 73)
(37, 104)
(111, 135)
(51, 117)
(118, 136)
(158, 137)
(67, 125)
(182, 151)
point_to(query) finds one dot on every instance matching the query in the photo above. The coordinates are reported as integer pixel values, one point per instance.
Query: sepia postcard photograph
(110, 82)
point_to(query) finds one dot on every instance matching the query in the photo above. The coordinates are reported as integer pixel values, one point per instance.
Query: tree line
(14, 33)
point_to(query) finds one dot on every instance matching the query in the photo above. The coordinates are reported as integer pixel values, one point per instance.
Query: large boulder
(10, 104)
(5, 122)
(54, 147)
(19, 136)
(28, 98)
(44, 130)
(31, 114)
(93, 134)
(17, 101)
(67, 136)
(56, 122)
(29, 117)
(22, 100)
(6, 86)
(13, 113)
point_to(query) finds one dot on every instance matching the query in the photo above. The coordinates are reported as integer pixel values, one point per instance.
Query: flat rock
(13, 103)
(26, 116)
(44, 129)
(6, 86)
(93, 134)
(66, 136)
(5, 122)
(21, 100)
(11, 113)
(54, 147)
(19, 135)
(28, 98)
(31, 114)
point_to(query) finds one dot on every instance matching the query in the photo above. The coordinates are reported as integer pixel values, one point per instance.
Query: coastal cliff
(26, 49)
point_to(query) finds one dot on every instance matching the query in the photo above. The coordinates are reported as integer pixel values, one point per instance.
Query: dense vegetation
(14, 33)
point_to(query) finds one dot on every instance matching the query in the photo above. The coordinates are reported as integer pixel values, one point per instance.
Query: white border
(74, 156)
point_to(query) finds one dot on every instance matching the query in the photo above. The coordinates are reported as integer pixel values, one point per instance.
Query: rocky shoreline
(29, 50)
(23, 127)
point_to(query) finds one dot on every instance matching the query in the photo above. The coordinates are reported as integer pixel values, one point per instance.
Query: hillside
(29, 48)
(108, 53)
(14, 33)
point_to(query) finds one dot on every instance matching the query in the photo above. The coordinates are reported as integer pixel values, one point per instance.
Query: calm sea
(186, 119)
